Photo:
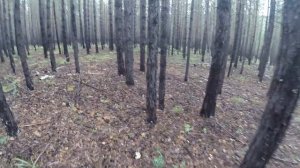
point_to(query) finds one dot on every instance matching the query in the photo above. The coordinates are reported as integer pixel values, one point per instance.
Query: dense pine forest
(149, 83)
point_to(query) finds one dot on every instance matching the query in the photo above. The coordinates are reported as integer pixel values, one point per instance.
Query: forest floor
(95, 120)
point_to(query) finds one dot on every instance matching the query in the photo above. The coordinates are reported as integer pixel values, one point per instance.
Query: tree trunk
(221, 43)
(80, 25)
(102, 27)
(95, 26)
(7, 116)
(283, 92)
(11, 35)
(119, 34)
(21, 46)
(56, 30)
(189, 42)
(25, 26)
(151, 74)
(185, 30)
(205, 34)
(111, 29)
(267, 43)
(143, 23)
(128, 35)
(64, 30)
(2, 47)
(165, 33)
(43, 29)
(9, 51)
(50, 37)
(74, 36)
(86, 25)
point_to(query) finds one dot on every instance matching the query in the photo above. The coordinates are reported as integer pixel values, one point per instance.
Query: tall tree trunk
(151, 73)
(80, 24)
(283, 92)
(174, 26)
(165, 33)
(111, 29)
(189, 42)
(7, 116)
(128, 35)
(50, 37)
(9, 50)
(95, 26)
(177, 46)
(10, 24)
(205, 33)
(102, 27)
(86, 25)
(56, 29)
(185, 30)
(43, 29)
(20, 44)
(25, 26)
(74, 36)
(2, 46)
(143, 23)
(221, 43)
(267, 43)
(64, 30)
(119, 34)
(236, 36)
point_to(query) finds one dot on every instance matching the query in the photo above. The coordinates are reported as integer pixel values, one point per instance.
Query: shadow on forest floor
(95, 120)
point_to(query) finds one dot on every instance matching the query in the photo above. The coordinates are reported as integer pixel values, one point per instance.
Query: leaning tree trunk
(283, 93)
(111, 36)
(64, 30)
(7, 115)
(267, 43)
(119, 34)
(205, 34)
(74, 36)
(43, 29)
(50, 37)
(6, 31)
(20, 41)
(128, 35)
(220, 51)
(189, 43)
(165, 34)
(152, 60)
(143, 23)
(56, 30)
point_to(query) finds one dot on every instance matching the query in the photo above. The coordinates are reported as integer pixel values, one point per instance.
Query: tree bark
(9, 51)
(111, 29)
(74, 36)
(21, 45)
(80, 24)
(102, 27)
(7, 116)
(283, 92)
(128, 35)
(185, 30)
(221, 43)
(165, 34)
(143, 39)
(119, 34)
(64, 30)
(86, 26)
(151, 74)
(50, 37)
(43, 29)
(205, 34)
(10, 25)
(56, 29)
(267, 43)
(95, 26)
(189, 42)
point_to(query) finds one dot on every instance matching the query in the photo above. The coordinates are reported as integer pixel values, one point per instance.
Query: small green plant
(3, 140)
(177, 109)
(20, 163)
(237, 100)
(187, 128)
(158, 161)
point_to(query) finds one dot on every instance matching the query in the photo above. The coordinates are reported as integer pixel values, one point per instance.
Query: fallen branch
(37, 159)
(35, 124)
